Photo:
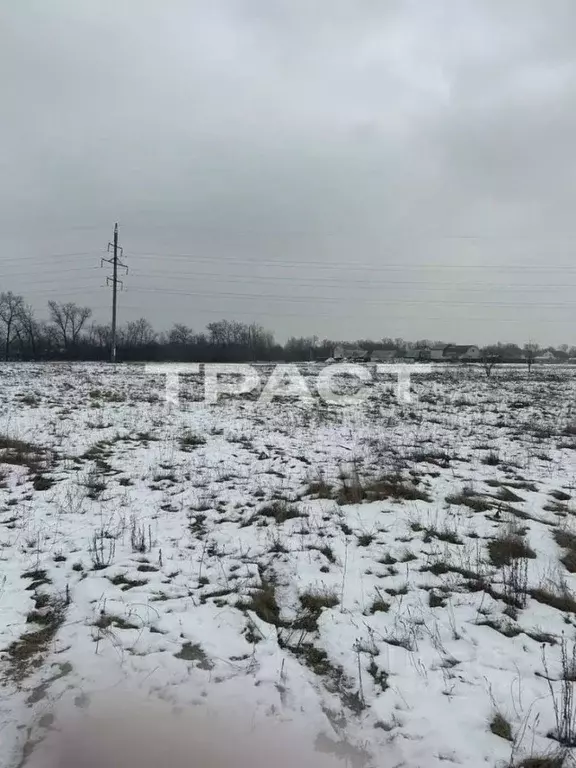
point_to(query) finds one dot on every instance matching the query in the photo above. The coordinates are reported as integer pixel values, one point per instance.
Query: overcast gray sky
(345, 168)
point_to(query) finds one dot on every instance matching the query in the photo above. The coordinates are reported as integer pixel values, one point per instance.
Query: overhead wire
(292, 263)
(39, 287)
(324, 299)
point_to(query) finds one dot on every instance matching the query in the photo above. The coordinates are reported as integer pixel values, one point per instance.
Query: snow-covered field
(395, 579)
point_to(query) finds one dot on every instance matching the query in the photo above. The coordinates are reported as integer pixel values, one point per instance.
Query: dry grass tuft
(567, 541)
(27, 653)
(280, 511)
(313, 603)
(509, 546)
(501, 727)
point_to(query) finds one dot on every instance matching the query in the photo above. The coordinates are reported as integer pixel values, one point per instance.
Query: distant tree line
(68, 334)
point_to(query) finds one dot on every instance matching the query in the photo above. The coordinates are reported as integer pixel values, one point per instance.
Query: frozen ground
(396, 579)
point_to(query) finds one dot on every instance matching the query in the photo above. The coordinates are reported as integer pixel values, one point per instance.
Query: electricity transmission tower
(114, 282)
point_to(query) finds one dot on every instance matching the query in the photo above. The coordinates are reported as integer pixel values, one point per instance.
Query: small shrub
(435, 600)
(312, 604)
(140, 539)
(350, 491)
(501, 727)
(474, 501)
(328, 553)
(31, 400)
(451, 537)
(319, 488)
(380, 676)
(563, 700)
(125, 582)
(21, 453)
(407, 556)
(379, 605)
(42, 483)
(280, 511)
(316, 659)
(95, 485)
(190, 441)
(515, 581)
(567, 541)
(438, 457)
(403, 590)
(195, 652)
(558, 597)
(507, 547)
(506, 628)
(505, 494)
(542, 761)
(26, 653)
(394, 487)
(264, 604)
(404, 640)
(107, 620)
(102, 549)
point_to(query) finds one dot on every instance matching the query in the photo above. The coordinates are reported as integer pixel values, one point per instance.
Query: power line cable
(335, 283)
(300, 298)
(355, 265)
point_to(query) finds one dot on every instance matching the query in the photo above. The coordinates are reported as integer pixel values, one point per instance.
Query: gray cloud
(345, 168)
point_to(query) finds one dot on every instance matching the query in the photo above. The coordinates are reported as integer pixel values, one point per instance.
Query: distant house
(342, 352)
(461, 352)
(410, 354)
(545, 357)
(437, 352)
(383, 355)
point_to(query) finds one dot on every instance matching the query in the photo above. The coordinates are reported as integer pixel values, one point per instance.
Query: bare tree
(489, 361)
(138, 333)
(302, 348)
(180, 334)
(100, 336)
(220, 333)
(69, 320)
(28, 330)
(530, 351)
(10, 307)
